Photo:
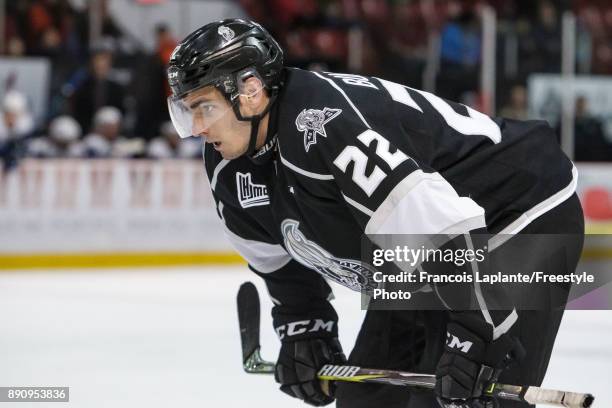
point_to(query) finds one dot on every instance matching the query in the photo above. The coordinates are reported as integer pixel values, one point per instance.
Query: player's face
(214, 120)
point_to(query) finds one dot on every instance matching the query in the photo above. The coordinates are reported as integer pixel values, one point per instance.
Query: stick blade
(248, 319)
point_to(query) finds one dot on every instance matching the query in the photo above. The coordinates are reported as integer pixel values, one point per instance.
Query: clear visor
(200, 109)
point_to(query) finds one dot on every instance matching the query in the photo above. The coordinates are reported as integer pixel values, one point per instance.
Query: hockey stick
(248, 318)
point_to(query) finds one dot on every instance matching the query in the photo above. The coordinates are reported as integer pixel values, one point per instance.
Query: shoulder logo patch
(249, 193)
(227, 33)
(312, 123)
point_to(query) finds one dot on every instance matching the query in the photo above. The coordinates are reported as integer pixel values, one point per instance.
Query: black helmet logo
(216, 53)
(173, 75)
(227, 33)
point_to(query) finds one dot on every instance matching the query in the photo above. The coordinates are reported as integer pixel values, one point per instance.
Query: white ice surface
(169, 338)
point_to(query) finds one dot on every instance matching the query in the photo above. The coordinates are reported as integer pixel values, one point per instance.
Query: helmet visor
(194, 116)
(196, 112)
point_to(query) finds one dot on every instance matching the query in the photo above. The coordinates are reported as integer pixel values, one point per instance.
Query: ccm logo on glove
(304, 326)
(453, 341)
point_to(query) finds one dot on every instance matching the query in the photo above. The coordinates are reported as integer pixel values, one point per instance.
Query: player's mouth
(216, 145)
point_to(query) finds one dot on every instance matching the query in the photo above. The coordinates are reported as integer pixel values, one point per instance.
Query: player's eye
(208, 109)
(203, 108)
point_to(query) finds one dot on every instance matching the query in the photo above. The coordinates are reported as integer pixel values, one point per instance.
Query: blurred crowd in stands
(108, 99)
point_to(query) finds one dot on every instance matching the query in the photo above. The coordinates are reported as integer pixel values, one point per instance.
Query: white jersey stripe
(521, 222)
(425, 203)
(497, 331)
(358, 206)
(220, 166)
(345, 97)
(303, 172)
(505, 325)
(399, 94)
(264, 257)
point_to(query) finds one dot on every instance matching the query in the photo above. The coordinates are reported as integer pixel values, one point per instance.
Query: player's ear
(252, 95)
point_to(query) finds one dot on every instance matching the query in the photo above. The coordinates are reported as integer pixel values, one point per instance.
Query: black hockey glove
(469, 364)
(298, 364)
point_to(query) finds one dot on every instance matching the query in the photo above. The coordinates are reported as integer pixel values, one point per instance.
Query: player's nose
(199, 128)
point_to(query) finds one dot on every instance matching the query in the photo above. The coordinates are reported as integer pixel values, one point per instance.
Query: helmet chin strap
(254, 132)
(255, 120)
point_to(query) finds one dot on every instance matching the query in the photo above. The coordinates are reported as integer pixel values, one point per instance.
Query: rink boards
(82, 213)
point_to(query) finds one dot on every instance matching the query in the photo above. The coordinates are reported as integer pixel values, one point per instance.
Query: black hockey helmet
(224, 54)
(217, 52)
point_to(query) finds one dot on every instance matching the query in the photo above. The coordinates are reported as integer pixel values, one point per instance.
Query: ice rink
(169, 338)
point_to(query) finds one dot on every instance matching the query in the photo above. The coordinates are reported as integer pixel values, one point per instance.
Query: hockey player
(301, 164)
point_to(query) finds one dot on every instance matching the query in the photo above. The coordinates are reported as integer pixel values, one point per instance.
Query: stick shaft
(253, 363)
(530, 394)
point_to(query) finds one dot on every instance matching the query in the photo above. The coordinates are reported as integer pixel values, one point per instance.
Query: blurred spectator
(15, 47)
(60, 142)
(106, 140)
(590, 143)
(541, 45)
(459, 54)
(16, 125)
(165, 43)
(396, 36)
(49, 44)
(97, 89)
(73, 29)
(401, 38)
(17, 121)
(151, 86)
(39, 21)
(517, 106)
(110, 28)
(169, 145)
(460, 41)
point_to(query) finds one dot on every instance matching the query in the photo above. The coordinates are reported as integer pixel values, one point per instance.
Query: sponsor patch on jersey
(249, 193)
(227, 33)
(351, 273)
(312, 123)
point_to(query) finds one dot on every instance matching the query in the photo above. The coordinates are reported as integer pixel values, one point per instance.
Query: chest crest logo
(249, 193)
(312, 123)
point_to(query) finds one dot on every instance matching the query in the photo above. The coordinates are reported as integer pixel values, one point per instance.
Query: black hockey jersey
(355, 155)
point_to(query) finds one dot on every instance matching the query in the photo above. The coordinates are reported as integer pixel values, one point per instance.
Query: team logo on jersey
(249, 193)
(351, 273)
(312, 123)
(227, 33)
